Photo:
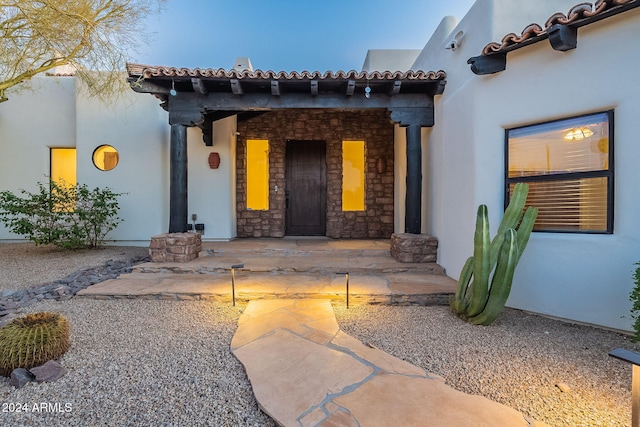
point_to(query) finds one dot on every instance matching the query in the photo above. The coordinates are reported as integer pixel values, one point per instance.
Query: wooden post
(413, 198)
(178, 197)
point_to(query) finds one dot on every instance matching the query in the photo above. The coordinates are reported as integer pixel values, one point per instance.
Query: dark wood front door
(306, 193)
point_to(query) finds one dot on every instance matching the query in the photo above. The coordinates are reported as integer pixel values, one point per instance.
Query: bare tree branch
(92, 36)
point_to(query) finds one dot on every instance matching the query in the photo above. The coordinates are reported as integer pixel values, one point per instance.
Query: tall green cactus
(480, 297)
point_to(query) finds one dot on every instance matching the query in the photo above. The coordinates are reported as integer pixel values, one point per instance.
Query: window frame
(609, 173)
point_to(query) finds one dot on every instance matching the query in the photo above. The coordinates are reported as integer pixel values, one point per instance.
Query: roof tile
(147, 71)
(577, 12)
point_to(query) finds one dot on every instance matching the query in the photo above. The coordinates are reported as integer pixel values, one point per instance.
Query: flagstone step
(307, 263)
(305, 371)
(298, 246)
(365, 288)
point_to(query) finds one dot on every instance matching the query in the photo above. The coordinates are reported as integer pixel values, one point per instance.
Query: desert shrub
(71, 217)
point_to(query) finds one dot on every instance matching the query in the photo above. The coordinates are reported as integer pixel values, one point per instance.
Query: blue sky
(287, 35)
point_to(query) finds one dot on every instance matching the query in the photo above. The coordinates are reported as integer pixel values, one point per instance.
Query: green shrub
(71, 217)
(30, 341)
(635, 299)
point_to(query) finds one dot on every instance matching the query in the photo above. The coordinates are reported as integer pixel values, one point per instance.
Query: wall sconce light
(634, 359)
(173, 88)
(214, 160)
(578, 134)
(381, 165)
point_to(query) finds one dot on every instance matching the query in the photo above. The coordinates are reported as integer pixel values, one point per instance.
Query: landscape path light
(233, 281)
(634, 359)
(346, 274)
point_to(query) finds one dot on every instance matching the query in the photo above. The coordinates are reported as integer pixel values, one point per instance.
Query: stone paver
(306, 372)
(363, 288)
(286, 268)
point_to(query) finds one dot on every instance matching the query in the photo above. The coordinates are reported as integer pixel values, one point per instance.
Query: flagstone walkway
(306, 372)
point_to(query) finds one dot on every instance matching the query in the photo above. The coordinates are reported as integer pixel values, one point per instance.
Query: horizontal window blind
(573, 204)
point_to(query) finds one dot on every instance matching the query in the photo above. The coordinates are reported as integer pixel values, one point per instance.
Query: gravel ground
(142, 363)
(517, 361)
(156, 363)
(24, 264)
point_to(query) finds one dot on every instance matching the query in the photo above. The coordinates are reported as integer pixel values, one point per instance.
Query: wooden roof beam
(199, 86)
(275, 88)
(351, 87)
(236, 87)
(395, 89)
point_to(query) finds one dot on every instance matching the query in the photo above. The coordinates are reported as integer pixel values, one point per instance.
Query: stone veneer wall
(372, 126)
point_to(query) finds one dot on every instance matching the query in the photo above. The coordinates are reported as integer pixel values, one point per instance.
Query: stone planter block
(175, 247)
(414, 248)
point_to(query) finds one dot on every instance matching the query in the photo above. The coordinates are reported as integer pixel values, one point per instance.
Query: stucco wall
(212, 191)
(40, 116)
(137, 127)
(576, 276)
(53, 114)
(583, 277)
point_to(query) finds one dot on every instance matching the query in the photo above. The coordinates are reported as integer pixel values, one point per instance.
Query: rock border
(12, 302)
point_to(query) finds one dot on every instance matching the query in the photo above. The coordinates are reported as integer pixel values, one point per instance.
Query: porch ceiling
(194, 97)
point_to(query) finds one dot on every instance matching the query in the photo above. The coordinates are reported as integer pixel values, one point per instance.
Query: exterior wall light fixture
(173, 92)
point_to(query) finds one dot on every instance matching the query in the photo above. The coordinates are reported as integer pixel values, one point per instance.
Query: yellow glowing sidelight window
(63, 173)
(352, 175)
(257, 174)
(63, 166)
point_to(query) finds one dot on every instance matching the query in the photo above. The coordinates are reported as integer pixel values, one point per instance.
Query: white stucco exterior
(51, 113)
(583, 277)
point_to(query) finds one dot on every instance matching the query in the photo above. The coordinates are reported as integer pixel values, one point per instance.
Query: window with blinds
(568, 165)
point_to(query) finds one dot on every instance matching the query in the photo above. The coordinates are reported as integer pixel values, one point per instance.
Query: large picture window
(568, 165)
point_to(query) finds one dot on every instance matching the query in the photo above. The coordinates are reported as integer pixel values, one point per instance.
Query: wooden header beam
(188, 108)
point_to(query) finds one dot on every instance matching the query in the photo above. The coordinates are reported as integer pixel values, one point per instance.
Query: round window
(105, 157)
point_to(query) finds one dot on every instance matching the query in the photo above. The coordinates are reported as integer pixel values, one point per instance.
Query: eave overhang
(194, 96)
(561, 30)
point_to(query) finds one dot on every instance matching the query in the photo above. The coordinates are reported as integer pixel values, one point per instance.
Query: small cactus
(475, 299)
(32, 340)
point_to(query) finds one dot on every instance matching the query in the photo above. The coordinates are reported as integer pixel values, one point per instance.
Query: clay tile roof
(148, 71)
(576, 13)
